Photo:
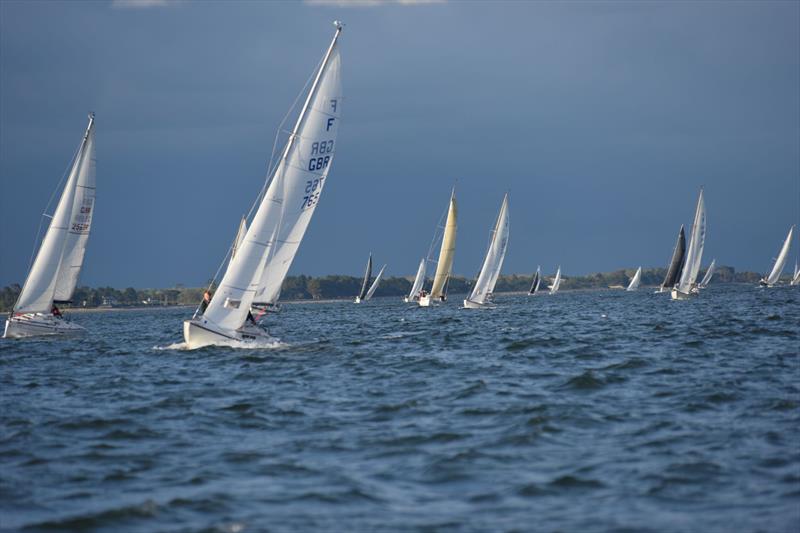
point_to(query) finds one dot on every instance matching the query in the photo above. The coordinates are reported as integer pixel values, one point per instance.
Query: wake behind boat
(55, 271)
(490, 270)
(256, 271)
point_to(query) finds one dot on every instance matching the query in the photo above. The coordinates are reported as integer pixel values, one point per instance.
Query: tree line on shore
(335, 287)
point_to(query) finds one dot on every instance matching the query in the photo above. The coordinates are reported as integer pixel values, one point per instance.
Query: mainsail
(490, 271)
(537, 280)
(637, 279)
(260, 265)
(694, 254)
(418, 281)
(375, 283)
(556, 282)
(780, 261)
(367, 275)
(444, 266)
(676, 263)
(709, 273)
(54, 273)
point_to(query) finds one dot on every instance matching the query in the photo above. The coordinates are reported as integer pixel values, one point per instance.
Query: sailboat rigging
(492, 263)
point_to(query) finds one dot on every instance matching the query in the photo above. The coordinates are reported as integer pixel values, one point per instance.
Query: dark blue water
(585, 411)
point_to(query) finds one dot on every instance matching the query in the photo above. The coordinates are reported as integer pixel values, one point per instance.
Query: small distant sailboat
(694, 254)
(419, 280)
(54, 273)
(374, 285)
(796, 275)
(256, 272)
(537, 280)
(775, 274)
(444, 265)
(709, 274)
(675, 264)
(365, 284)
(635, 281)
(490, 271)
(556, 281)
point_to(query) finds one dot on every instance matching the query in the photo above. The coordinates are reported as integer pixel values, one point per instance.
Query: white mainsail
(444, 267)
(780, 261)
(239, 237)
(58, 262)
(694, 253)
(709, 274)
(418, 281)
(271, 242)
(796, 275)
(490, 270)
(374, 285)
(556, 282)
(636, 280)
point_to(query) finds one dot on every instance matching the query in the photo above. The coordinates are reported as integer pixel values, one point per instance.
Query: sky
(601, 119)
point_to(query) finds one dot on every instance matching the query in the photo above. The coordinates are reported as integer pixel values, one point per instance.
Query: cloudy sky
(602, 119)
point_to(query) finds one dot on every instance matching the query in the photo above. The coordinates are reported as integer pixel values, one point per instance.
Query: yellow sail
(445, 265)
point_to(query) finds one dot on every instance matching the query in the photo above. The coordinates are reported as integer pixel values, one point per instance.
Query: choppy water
(586, 411)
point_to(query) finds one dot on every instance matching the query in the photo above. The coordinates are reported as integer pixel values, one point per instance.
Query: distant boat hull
(469, 304)
(425, 301)
(357, 300)
(198, 333)
(39, 324)
(678, 295)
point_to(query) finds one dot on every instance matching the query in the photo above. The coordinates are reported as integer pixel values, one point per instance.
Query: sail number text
(313, 188)
(319, 160)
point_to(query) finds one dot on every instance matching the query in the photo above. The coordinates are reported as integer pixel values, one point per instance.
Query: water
(586, 411)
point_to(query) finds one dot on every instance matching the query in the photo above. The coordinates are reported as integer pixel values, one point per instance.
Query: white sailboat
(365, 284)
(444, 265)
(709, 274)
(54, 273)
(694, 254)
(374, 285)
(490, 270)
(419, 280)
(796, 275)
(255, 274)
(774, 275)
(537, 281)
(239, 237)
(635, 281)
(556, 281)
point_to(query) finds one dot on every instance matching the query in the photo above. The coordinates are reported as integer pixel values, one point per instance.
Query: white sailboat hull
(469, 304)
(357, 300)
(678, 295)
(38, 324)
(425, 301)
(198, 333)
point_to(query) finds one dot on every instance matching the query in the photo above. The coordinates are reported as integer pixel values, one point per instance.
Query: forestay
(493, 262)
(271, 242)
(694, 254)
(58, 262)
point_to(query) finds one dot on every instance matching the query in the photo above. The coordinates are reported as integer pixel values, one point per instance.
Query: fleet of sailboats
(490, 270)
(255, 273)
(55, 270)
(777, 268)
(444, 265)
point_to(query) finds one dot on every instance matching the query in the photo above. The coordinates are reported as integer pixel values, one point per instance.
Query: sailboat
(635, 281)
(255, 274)
(237, 242)
(444, 265)
(775, 274)
(55, 270)
(694, 254)
(419, 280)
(365, 284)
(709, 274)
(374, 285)
(556, 281)
(675, 264)
(537, 280)
(490, 271)
(796, 275)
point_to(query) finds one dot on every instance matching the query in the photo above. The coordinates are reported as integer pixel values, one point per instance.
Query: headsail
(444, 267)
(556, 281)
(54, 273)
(796, 275)
(487, 278)
(780, 261)
(239, 237)
(419, 280)
(676, 263)
(367, 275)
(709, 273)
(537, 279)
(636, 280)
(694, 254)
(375, 283)
(257, 271)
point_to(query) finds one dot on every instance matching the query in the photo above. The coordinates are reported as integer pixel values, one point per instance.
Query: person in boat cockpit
(205, 302)
(55, 311)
